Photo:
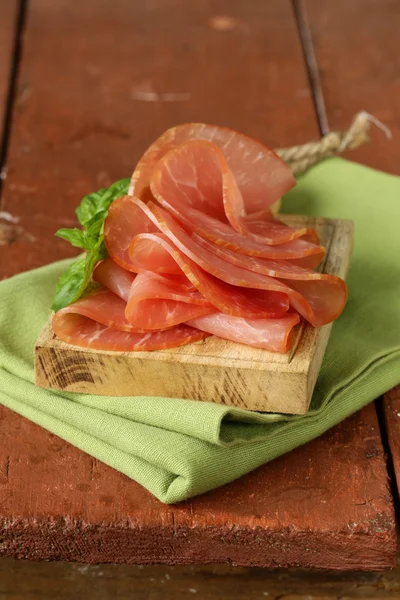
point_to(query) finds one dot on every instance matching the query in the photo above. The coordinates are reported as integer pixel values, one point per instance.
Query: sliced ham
(155, 303)
(76, 329)
(229, 299)
(196, 177)
(261, 176)
(102, 306)
(268, 334)
(194, 250)
(152, 301)
(114, 277)
(124, 220)
(317, 308)
(300, 251)
(119, 281)
(274, 268)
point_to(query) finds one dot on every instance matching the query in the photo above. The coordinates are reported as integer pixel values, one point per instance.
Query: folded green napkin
(179, 448)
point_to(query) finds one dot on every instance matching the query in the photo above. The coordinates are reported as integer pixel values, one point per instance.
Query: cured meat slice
(227, 298)
(262, 177)
(123, 221)
(76, 329)
(268, 334)
(155, 303)
(196, 176)
(300, 251)
(114, 277)
(283, 269)
(118, 236)
(119, 281)
(101, 306)
(323, 309)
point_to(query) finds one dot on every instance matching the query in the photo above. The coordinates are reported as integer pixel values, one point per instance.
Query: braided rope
(300, 158)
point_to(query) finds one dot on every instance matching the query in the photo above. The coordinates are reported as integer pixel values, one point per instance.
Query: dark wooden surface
(8, 18)
(356, 46)
(326, 505)
(391, 406)
(20, 580)
(80, 126)
(145, 67)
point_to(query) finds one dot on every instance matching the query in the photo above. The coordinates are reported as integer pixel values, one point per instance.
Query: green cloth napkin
(179, 448)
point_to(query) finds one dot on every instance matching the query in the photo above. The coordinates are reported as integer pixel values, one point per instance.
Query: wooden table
(84, 87)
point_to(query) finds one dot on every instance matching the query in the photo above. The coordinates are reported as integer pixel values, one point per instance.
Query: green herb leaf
(74, 236)
(71, 284)
(91, 214)
(100, 200)
(89, 206)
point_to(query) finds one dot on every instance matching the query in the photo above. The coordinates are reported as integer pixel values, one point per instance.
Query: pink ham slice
(261, 175)
(317, 308)
(156, 304)
(153, 301)
(125, 220)
(121, 224)
(196, 177)
(74, 328)
(274, 268)
(102, 306)
(114, 277)
(119, 281)
(299, 251)
(229, 299)
(268, 334)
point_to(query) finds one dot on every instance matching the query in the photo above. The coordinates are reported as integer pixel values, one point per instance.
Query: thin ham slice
(124, 220)
(261, 176)
(154, 303)
(268, 334)
(194, 250)
(283, 269)
(229, 299)
(196, 177)
(317, 308)
(102, 306)
(299, 251)
(119, 281)
(114, 277)
(74, 328)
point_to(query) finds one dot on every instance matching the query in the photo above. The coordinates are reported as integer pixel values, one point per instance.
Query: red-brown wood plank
(391, 407)
(86, 108)
(326, 505)
(357, 50)
(8, 17)
(21, 579)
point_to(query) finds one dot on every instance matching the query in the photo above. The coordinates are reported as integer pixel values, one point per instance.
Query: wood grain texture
(391, 407)
(87, 109)
(21, 579)
(326, 505)
(357, 49)
(213, 370)
(8, 17)
(76, 127)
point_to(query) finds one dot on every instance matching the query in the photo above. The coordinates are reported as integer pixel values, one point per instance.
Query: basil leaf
(100, 200)
(91, 214)
(89, 206)
(94, 227)
(74, 236)
(71, 284)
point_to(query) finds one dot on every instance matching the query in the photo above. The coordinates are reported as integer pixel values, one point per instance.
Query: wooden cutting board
(213, 370)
